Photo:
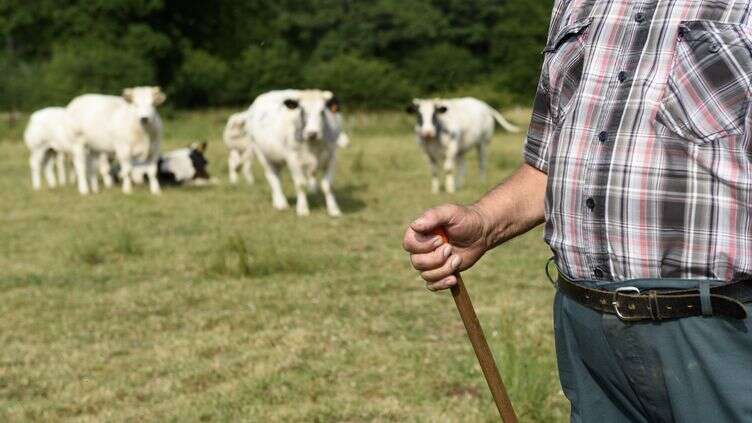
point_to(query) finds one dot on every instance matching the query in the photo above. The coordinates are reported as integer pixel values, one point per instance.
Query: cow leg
(326, 187)
(152, 170)
(80, 166)
(233, 162)
(126, 170)
(435, 184)
(482, 156)
(461, 170)
(271, 172)
(247, 159)
(49, 168)
(91, 172)
(105, 170)
(36, 160)
(300, 180)
(450, 164)
(62, 176)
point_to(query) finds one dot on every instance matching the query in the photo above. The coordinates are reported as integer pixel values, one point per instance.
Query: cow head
(145, 100)
(198, 159)
(316, 108)
(429, 114)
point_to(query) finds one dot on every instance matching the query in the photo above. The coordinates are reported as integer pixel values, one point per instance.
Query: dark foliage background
(373, 53)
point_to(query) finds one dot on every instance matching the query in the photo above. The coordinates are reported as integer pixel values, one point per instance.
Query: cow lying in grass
(184, 166)
(448, 128)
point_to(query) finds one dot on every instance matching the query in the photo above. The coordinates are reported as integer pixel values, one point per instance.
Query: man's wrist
(486, 225)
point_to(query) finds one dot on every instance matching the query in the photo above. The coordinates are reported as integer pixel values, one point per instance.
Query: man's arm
(512, 208)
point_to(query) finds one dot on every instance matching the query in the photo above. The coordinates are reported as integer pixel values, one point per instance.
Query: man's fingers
(433, 218)
(445, 283)
(432, 260)
(418, 243)
(449, 267)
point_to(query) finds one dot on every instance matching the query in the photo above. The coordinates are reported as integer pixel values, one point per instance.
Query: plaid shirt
(641, 122)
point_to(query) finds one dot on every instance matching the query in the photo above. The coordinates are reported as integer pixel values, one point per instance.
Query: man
(639, 160)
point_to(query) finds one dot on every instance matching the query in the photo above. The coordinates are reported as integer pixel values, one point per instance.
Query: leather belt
(630, 304)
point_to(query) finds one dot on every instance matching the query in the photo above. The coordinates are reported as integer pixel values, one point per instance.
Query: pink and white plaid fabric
(642, 123)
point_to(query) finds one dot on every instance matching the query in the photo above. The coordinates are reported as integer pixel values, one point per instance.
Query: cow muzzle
(312, 135)
(428, 134)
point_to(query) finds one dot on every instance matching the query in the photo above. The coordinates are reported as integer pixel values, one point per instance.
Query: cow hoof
(303, 212)
(281, 206)
(335, 213)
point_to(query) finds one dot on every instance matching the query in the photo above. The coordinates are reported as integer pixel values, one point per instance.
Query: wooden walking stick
(482, 351)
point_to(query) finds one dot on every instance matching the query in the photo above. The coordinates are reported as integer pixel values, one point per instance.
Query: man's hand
(467, 232)
(512, 208)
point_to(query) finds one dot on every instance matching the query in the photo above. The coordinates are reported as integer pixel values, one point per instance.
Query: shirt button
(598, 272)
(639, 17)
(590, 203)
(603, 136)
(623, 76)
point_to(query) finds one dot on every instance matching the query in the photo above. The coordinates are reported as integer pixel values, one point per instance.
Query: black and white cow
(184, 166)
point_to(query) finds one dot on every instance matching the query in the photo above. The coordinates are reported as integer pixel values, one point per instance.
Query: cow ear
(291, 104)
(333, 104)
(128, 95)
(411, 109)
(159, 96)
(441, 109)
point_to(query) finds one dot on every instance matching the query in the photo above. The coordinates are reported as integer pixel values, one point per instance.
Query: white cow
(300, 129)
(238, 141)
(127, 127)
(49, 134)
(449, 128)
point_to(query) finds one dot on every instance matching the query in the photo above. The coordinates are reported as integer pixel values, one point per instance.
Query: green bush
(21, 88)
(361, 82)
(93, 66)
(518, 38)
(200, 80)
(442, 66)
(263, 68)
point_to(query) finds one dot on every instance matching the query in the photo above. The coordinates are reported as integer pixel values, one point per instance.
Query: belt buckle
(615, 303)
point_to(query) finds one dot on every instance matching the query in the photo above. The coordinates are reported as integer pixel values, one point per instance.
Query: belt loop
(707, 306)
(655, 309)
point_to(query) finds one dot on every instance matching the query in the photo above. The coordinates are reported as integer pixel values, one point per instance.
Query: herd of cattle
(118, 138)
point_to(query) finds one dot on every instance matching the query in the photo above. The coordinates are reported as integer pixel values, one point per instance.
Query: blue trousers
(696, 369)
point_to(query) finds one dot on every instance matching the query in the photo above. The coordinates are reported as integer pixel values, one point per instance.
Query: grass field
(205, 304)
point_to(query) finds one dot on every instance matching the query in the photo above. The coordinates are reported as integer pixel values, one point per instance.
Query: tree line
(372, 53)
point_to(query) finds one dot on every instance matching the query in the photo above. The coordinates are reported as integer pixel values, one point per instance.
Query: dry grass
(206, 305)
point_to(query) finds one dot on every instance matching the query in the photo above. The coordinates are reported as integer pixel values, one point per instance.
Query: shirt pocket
(563, 66)
(708, 89)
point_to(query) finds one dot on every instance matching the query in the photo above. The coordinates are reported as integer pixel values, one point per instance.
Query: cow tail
(503, 122)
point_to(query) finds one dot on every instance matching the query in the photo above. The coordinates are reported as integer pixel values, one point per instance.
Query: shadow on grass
(238, 257)
(121, 243)
(347, 198)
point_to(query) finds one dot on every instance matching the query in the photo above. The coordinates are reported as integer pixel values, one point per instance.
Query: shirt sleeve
(542, 124)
